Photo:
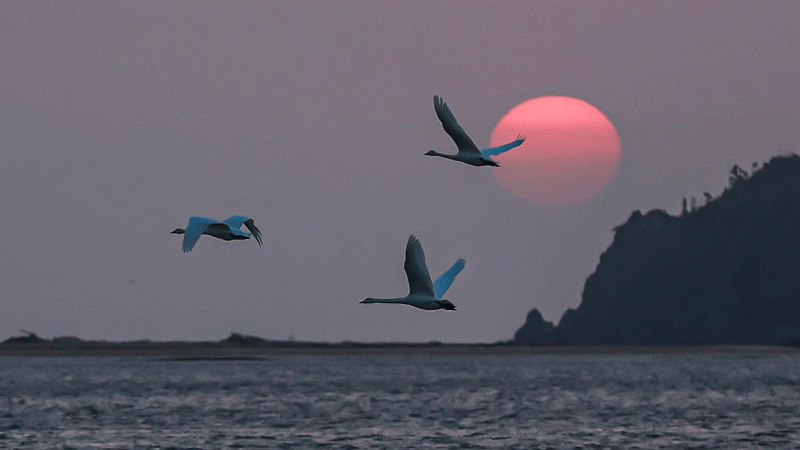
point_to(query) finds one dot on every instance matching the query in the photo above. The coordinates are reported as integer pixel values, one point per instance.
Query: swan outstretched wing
(237, 221)
(419, 279)
(504, 148)
(443, 283)
(451, 126)
(197, 225)
(251, 225)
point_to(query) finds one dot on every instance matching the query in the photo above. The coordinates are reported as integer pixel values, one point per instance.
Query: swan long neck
(385, 300)
(442, 155)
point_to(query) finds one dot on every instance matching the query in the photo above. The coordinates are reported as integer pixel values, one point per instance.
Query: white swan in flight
(468, 152)
(423, 293)
(227, 230)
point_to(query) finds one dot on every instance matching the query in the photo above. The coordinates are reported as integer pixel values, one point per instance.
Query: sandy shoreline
(214, 350)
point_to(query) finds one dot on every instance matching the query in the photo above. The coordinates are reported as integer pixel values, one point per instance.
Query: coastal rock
(241, 340)
(29, 338)
(727, 272)
(535, 328)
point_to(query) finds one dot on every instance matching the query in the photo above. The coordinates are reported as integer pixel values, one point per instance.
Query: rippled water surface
(403, 401)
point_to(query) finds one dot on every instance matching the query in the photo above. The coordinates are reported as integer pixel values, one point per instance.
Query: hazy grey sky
(120, 119)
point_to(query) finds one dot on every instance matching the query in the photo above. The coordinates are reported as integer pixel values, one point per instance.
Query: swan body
(227, 230)
(418, 301)
(468, 152)
(423, 293)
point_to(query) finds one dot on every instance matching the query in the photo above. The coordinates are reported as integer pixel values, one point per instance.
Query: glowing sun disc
(571, 154)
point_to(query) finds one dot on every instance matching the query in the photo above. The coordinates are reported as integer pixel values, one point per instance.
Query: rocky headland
(726, 272)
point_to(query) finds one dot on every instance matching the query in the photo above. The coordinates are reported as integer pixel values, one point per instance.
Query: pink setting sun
(571, 154)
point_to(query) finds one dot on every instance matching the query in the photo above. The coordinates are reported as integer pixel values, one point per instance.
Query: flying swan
(467, 150)
(423, 293)
(227, 230)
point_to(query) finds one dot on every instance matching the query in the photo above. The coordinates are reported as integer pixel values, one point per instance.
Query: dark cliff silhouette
(727, 272)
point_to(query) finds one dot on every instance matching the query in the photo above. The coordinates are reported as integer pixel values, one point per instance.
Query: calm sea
(403, 401)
